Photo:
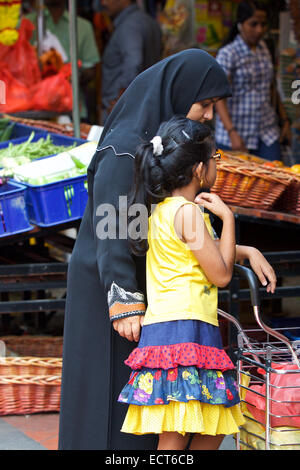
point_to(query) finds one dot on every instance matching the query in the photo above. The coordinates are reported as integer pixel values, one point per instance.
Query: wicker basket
(289, 201)
(249, 184)
(40, 346)
(29, 385)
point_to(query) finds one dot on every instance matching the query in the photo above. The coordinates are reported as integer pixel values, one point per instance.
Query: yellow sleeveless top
(177, 288)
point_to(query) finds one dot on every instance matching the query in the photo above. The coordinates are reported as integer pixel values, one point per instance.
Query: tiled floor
(30, 432)
(40, 432)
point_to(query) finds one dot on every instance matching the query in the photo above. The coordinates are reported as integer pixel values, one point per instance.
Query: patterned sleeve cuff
(124, 304)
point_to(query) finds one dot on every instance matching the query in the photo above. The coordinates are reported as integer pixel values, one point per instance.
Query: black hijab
(167, 88)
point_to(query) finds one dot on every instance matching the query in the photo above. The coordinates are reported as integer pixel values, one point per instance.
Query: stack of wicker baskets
(248, 184)
(30, 384)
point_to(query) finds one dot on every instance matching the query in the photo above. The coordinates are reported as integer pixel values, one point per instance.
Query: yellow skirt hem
(190, 417)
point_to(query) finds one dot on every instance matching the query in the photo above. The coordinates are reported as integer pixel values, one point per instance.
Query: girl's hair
(245, 10)
(185, 144)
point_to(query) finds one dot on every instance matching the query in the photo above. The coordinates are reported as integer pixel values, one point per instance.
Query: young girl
(182, 381)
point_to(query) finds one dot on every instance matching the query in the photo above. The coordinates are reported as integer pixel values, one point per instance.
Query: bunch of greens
(15, 155)
(6, 128)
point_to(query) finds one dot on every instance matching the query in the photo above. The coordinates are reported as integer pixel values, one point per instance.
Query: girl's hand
(262, 269)
(214, 204)
(129, 327)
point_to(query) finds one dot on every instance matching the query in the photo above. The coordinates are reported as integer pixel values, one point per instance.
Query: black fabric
(93, 356)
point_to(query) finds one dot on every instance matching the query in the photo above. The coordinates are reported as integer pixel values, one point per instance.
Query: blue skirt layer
(181, 331)
(159, 387)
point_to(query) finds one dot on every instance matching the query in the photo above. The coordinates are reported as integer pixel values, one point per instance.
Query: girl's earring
(201, 183)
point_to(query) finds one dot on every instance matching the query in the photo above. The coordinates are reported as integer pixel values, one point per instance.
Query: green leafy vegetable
(14, 155)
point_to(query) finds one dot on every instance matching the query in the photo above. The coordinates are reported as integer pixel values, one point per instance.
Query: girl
(182, 381)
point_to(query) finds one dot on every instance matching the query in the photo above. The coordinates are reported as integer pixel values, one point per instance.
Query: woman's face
(202, 110)
(253, 29)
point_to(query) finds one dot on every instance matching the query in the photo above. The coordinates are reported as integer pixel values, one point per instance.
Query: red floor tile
(50, 444)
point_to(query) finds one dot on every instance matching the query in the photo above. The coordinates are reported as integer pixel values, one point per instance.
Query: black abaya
(93, 357)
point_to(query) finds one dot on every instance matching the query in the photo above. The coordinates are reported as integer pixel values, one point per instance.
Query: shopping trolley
(268, 375)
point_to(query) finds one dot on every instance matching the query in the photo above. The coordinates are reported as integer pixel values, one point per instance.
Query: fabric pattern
(182, 342)
(190, 373)
(193, 417)
(158, 387)
(167, 357)
(123, 302)
(250, 108)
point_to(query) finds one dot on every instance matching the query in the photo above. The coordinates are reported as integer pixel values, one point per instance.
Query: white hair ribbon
(157, 145)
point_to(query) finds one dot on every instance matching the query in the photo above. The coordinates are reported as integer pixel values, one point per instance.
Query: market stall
(43, 192)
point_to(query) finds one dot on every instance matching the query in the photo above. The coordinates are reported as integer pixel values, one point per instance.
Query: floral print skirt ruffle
(186, 385)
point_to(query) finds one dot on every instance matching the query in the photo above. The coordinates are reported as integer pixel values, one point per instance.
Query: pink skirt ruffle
(185, 354)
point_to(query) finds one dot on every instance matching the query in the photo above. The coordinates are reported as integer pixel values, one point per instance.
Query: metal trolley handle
(249, 275)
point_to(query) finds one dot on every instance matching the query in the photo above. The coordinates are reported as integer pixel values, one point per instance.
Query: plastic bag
(281, 438)
(21, 58)
(54, 93)
(289, 398)
(14, 95)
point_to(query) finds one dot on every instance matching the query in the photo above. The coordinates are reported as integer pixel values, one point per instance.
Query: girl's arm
(216, 261)
(259, 264)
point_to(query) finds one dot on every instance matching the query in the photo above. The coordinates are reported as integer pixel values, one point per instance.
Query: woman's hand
(129, 327)
(286, 133)
(237, 142)
(260, 266)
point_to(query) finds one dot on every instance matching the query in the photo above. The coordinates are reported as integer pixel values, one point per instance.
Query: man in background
(134, 45)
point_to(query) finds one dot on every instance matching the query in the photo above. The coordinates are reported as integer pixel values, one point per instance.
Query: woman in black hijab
(104, 278)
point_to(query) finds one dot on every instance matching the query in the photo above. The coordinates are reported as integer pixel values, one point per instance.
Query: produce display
(68, 164)
(19, 154)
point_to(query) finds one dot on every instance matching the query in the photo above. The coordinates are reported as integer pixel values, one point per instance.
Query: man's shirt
(87, 48)
(134, 45)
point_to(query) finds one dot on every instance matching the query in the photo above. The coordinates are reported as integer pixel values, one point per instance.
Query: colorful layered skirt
(182, 380)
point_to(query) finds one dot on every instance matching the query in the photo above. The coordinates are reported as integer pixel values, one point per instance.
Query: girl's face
(253, 29)
(202, 110)
(209, 173)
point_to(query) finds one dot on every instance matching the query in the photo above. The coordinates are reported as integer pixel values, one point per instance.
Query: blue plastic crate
(56, 203)
(21, 130)
(13, 213)
(57, 139)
